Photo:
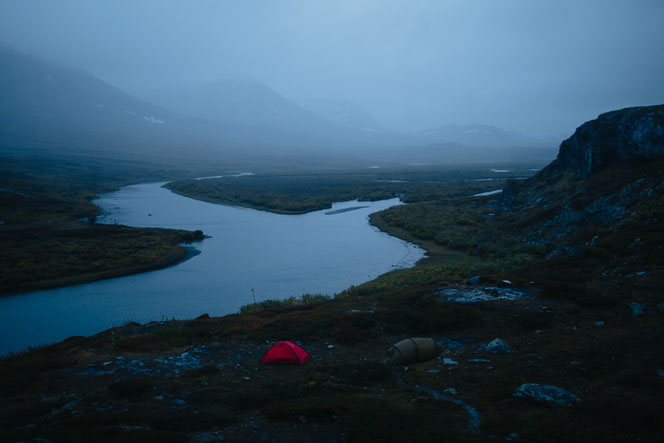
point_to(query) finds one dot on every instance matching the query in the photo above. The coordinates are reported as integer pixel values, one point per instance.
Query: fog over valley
(331, 220)
(401, 67)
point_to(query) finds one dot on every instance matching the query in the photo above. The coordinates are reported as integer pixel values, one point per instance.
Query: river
(277, 256)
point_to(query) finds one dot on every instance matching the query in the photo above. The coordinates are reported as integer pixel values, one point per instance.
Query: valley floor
(588, 322)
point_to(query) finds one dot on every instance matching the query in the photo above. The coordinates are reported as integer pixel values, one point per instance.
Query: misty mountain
(451, 153)
(244, 101)
(480, 136)
(344, 113)
(45, 104)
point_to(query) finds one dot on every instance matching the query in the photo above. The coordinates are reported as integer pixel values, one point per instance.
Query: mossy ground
(184, 380)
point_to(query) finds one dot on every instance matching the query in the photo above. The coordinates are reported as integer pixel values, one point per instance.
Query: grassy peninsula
(47, 228)
(301, 192)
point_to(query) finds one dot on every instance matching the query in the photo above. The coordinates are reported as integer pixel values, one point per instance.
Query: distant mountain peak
(344, 113)
(479, 135)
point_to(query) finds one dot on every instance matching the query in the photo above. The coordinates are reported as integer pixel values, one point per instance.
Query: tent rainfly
(286, 353)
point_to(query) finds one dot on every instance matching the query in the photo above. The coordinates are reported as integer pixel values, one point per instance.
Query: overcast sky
(537, 66)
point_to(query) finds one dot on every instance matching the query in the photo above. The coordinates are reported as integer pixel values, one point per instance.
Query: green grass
(47, 257)
(304, 299)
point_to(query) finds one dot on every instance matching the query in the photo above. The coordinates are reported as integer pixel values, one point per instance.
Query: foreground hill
(564, 268)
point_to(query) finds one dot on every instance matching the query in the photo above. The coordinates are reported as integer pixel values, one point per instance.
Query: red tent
(286, 353)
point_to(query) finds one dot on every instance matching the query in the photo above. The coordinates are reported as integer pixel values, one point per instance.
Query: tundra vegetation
(48, 233)
(583, 255)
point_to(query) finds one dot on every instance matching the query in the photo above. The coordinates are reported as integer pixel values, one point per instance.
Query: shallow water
(276, 255)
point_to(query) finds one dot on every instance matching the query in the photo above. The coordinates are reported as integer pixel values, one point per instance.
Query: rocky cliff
(628, 135)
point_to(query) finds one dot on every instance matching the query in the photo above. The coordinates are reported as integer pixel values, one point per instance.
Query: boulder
(481, 294)
(497, 346)
(548, 394)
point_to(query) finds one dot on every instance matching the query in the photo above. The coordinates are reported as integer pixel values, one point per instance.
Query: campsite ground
(200, 380)
(589, 323)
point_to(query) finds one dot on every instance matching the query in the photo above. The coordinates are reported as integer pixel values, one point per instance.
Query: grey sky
(538, 66)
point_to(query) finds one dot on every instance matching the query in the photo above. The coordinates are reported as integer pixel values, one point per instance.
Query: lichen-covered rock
(476, 295)
(546, 394)
(628, 135)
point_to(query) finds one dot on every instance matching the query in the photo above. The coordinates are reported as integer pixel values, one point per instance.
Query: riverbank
(77, 253)
(48, 233)
(436, 254)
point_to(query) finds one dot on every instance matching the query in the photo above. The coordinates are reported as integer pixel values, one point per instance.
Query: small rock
(479, 360)
(450, 391)
(637, 309)
(159, 397)
(303, 419)
(599, 323)
(497, 346)
(660, 372)
(179, 402)
(507, 282)
(330, 346)
(575, 363)
(449, 361)
(546, 394)
(433, 371)
(474, 280)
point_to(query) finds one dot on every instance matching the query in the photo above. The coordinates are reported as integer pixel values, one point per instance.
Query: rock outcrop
(628, 135)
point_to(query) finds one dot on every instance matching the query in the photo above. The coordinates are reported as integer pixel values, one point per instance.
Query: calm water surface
(277, 255)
